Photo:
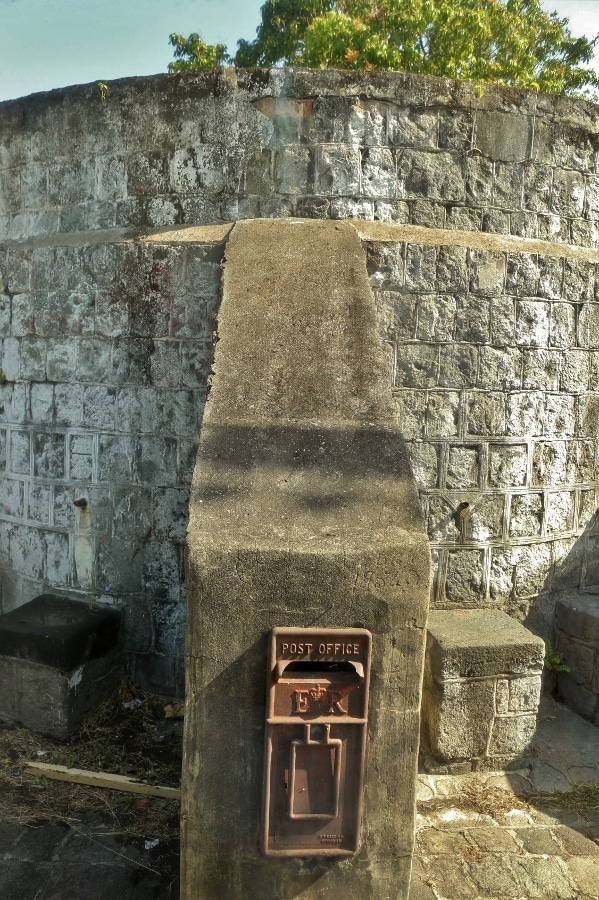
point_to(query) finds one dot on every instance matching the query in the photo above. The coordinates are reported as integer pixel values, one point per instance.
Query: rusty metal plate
(317, 709)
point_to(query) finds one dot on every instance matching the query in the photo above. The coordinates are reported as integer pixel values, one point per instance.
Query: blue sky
(53, 43)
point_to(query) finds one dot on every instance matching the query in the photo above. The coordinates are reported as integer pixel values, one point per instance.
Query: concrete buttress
(303, 513)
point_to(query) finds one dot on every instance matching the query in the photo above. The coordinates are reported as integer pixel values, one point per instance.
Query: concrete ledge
(482, 688)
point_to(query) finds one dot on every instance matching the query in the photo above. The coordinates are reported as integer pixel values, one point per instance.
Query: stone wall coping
(478, 628)
(382, 232)
(289, 84)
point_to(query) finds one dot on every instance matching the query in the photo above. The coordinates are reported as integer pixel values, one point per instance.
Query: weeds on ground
(580, 797)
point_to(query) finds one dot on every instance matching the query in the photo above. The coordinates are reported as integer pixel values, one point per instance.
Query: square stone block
(58, 661)
(57, 631)
(478, 643)
(54, 702)
(482, 687)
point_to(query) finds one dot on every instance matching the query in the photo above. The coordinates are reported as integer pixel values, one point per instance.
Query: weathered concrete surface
(303, 513)
(482, 688)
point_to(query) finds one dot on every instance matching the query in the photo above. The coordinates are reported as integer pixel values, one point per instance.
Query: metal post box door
(316, 716)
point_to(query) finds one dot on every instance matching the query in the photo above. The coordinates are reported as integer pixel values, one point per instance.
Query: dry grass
(478, 798)
(129, 735)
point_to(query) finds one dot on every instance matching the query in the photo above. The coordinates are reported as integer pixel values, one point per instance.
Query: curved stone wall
(479, 216)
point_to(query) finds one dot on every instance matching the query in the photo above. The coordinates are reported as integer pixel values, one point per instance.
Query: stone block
(292, 165)
(567, 195)
(458, 366)
(442, 414)
(473, 320)
(500, 369)
(522, 275)
(559, 512)
(541, 369)
(397, 313)
(485, 413)
(457, 718)
(49, 455)
(532, 323)
(482, 685)
(416, 366)
(579, 280)
(526, 515)
(425, 463)
(511, 735)
(11, 497)
(378, 177)
(578, 615)
(58, 661)
(464, 583)
(551, 277)
(438, 176)
(338, 170)
(478, 643)
(562, 327)
(577, 696)
(421, 267)
(579, 370)
(54, 702)
(508, 465)
(463, 469)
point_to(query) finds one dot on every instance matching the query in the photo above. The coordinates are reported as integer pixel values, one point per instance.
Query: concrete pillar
(303, 514)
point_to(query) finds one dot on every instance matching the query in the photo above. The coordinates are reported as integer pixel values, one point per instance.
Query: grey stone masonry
(577, 641)
(495, 380)
(220, 146)
(480, 218)
(106, 353)
(481, 691)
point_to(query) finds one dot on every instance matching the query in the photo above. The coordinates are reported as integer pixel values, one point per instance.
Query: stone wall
(479, 215)
(495, 355)
(106, 351)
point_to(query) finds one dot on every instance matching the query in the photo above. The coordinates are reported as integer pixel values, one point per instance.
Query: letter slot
(316, 717)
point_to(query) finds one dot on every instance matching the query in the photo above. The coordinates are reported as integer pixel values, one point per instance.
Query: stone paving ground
(500, 850)
(496, 847)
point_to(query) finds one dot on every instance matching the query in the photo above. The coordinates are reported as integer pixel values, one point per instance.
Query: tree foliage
(511, 42)
(193, 54)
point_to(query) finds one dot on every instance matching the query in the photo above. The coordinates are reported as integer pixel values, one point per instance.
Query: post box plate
(316, 717)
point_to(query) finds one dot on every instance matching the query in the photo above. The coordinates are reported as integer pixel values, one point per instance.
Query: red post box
(316, 717)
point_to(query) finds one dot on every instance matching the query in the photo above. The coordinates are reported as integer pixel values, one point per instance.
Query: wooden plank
(100, 779)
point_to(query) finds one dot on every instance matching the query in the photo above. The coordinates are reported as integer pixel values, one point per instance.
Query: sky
(53, 43)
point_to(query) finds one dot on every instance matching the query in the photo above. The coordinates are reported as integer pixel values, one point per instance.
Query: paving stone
(492, 877)
(538, 841)
(493, 840)
(432, 842)
(576, 844)
(449, 877)
(40, 844)
(20, 880)
(583, 871)
(9, 835)
(542, 878)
